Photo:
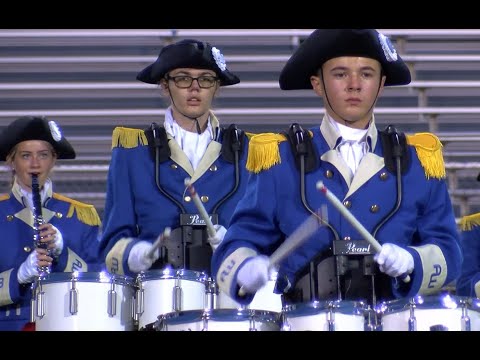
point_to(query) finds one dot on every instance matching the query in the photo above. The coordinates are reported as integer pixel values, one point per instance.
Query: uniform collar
(333, 137)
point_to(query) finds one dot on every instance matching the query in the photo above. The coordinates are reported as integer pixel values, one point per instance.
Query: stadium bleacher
(85, 80)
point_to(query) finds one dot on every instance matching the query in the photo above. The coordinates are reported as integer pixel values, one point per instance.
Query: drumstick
(298, 237)
(201, 209)
(160, 239)
(354, 222)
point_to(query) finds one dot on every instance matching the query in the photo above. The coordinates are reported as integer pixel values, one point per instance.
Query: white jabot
(27, 196)
(193, 145)
(353, 146)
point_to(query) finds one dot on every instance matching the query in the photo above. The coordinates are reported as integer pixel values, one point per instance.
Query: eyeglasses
(185, 81)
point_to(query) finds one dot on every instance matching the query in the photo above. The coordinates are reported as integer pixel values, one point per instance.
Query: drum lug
(211, 294)
(466, 323)
(284, 321)
(205, 317)
(412, 320)
(112, 301)
(32, 303)
(139, 301)
(331, 317)
(40, 302)
(252, 326)
(73, 297)
(177, 296)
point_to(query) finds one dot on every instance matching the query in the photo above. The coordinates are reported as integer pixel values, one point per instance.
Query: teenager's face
(33, 157)
(194, 101)
(350, 88)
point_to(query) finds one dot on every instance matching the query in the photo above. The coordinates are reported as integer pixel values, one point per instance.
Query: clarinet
(38, 220)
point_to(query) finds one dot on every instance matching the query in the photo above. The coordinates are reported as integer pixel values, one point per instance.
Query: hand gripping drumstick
(201, 209)
(161, 238)
(298, 237)
(354, 222)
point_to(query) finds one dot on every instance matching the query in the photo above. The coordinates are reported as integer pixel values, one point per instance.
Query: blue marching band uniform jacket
(424, 224)
(469, 282)
(79, 224)
(135, 209)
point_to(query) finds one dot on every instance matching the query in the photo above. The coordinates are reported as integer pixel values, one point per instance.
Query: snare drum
(83, 301)
(164, 291)
(431, 313)
(325, 316)
(219, 320)
(265, 299)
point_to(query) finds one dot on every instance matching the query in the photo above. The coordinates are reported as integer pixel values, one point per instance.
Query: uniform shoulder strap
(301, 144)
(157, 139)
(233, 140)
(394, 145)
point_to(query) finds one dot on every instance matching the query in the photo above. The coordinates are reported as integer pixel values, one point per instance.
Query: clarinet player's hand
(51, 236)
(29, 268)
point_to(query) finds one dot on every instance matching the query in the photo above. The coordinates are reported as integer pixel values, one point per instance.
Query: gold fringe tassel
(128, 138)
(86, 213)
(429, 151)
(263, 152)
(468, 222)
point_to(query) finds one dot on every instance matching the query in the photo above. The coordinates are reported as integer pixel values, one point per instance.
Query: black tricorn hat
(325, 44)
(34, 128)
(188, 53)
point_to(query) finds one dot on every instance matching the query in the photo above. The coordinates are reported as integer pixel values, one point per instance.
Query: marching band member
(146, 191)
(393, 184)
(68, 228)
(468, 284)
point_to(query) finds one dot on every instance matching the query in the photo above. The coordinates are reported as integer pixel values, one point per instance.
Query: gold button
(374, 208)
(174, 166)
(204, 199)
(383, 176)
(58, 215)
(213, 168)
(347, 204)
(9, 217)
(347, 238)
(188, 199)
(27, 249)
(329, 174)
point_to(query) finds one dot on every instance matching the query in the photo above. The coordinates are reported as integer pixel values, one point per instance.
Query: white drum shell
(159, 288)
(220, 320)
(315, 316)
(430, 312)
(92, 302)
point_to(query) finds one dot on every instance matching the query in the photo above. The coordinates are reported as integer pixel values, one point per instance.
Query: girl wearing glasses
(146, 191)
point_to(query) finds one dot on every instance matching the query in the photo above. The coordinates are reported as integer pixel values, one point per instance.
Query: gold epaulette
(250, 135)
(4, 197)
(128, 138)
(468, 222)
(429, 151)
(263, 151)
(86, 213)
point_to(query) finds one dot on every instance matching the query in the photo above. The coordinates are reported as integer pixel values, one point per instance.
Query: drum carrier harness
(188, 247)
(346, 261)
